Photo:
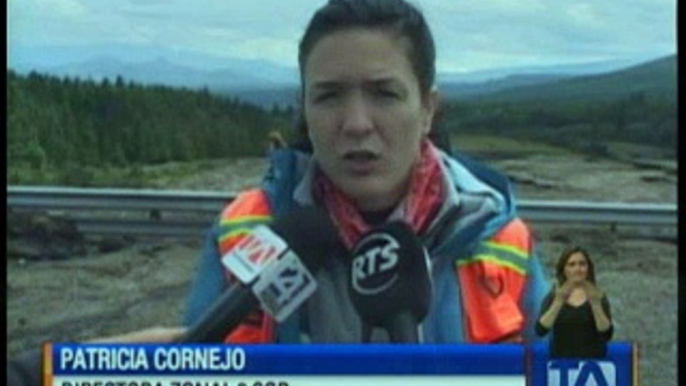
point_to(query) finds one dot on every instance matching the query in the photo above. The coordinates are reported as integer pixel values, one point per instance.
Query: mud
(145, 284)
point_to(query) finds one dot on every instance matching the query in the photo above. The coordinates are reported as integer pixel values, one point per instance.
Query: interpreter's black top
(574, 331)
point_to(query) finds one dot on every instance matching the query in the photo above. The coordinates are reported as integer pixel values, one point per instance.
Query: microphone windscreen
(390, 274)
(309, 232)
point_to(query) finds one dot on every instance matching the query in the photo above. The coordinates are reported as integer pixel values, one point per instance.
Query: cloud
(36, 19)
(222, 28)
(62, 9)
(71, 22)
(469, 34)
(585, 14)
(497, 33)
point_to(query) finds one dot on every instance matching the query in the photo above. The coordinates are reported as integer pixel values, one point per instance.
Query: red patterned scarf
(422, 201)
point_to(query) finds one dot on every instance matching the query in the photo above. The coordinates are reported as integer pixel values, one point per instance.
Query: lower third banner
(309, 365)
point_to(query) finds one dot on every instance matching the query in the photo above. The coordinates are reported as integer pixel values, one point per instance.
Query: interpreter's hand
(592, 292)
(562, 291)
(148, 335)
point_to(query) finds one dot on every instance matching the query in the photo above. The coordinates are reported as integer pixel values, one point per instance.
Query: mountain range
(656, 78)
(267, 84)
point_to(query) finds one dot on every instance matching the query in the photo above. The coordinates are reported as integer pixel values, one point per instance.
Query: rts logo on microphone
(374, 264)
(581, 373)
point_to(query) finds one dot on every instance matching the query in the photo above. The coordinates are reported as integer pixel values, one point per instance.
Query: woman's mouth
(361, 161)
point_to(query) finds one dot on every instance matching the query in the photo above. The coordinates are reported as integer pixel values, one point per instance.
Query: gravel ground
(145, 284)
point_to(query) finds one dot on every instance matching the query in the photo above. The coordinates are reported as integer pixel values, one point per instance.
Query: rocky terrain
(122, 286)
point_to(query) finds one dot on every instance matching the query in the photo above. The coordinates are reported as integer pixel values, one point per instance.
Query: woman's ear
(430, 102)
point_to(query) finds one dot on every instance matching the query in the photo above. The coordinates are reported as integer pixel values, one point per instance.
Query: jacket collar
(478, 202)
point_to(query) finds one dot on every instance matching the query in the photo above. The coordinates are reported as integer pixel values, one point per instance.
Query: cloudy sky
(470, 34)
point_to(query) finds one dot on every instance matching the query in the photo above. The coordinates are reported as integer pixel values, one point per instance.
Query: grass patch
(491, 144)
(641, 151)
(137, 176)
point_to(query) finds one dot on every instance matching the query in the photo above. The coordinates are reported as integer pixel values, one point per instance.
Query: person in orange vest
(365, 155)
(577, 312)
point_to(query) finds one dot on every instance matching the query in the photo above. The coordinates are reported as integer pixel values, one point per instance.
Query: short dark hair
(395, 15)
(564, 257)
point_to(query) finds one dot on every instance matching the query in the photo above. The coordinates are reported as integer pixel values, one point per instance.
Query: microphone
(391, 282)
(273, 267)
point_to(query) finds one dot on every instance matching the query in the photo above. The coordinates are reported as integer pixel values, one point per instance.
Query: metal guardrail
(647, 214)
(190, 213)
(54, 198)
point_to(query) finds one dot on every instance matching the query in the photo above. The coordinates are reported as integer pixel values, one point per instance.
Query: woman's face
(576, 268)
(365, 114)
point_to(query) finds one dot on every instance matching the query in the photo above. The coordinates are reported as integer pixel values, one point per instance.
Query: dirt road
(145, 284)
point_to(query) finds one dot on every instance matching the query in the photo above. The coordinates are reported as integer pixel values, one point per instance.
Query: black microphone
(390, 282)
(273, 267)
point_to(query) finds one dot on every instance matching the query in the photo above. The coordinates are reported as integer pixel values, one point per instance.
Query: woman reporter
(365, 155)
(577, 312)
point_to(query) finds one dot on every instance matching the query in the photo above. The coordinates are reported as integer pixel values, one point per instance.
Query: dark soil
(136, 285)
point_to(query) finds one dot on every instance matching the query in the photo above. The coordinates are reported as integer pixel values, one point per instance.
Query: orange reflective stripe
(226, 243)
(516, 235)
(252, 202)
(496, 255)
(492, 283)
(249, 209)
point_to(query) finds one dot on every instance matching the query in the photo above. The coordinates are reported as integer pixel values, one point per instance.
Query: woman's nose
(356, 116)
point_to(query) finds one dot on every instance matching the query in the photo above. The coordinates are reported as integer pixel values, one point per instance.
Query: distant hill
(561, 70)
(268, 84)
(235, 74)
(268, 97)
(654, 78)
(454, 90)
(492, 84)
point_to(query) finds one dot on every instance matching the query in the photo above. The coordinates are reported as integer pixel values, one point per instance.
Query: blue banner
(509, 364)
(116, 359)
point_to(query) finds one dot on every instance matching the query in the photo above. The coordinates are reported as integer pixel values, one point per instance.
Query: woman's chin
(370, 198)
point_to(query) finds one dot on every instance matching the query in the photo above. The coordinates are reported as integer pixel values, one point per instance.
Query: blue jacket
(467, 244)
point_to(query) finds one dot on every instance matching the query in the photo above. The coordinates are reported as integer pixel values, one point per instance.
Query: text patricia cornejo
(145, 358)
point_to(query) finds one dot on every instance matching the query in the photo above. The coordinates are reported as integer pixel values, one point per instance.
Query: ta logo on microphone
(253, 253)
(374, 264)
(284, 286)
(581, 373)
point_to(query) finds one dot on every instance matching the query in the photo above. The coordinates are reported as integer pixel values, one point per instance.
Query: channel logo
(581, 373)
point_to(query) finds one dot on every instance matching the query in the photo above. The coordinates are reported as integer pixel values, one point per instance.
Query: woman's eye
(325, 96)
(387, 94)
